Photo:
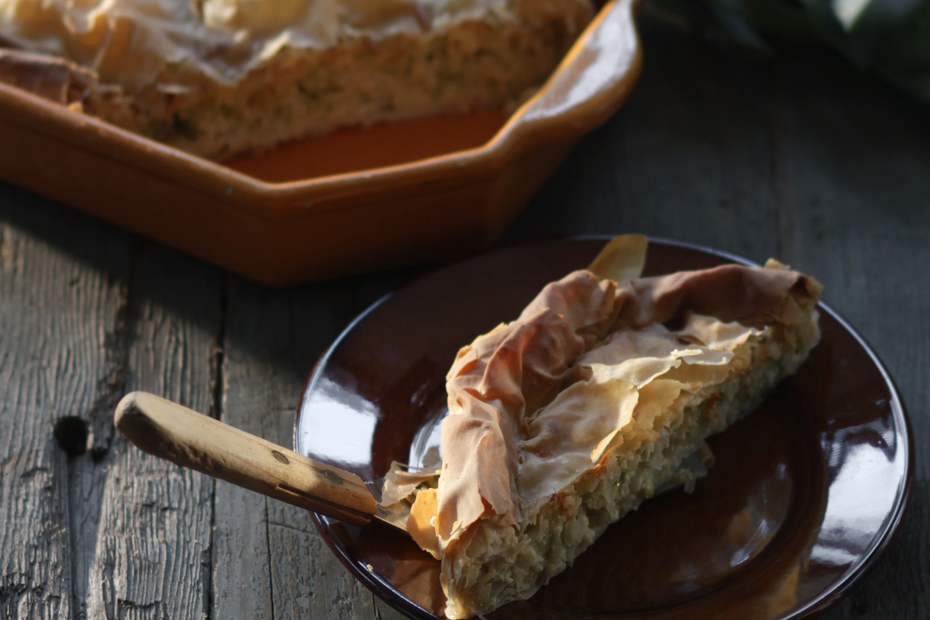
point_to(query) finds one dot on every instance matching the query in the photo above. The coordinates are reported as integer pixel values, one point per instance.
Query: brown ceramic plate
(805, 495)
(358, 200)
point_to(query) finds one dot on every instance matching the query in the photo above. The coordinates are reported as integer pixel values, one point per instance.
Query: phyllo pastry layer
(219, 77)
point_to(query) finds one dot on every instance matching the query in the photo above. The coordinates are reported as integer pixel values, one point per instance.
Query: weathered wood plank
(269, 559)
(148, 552)
(688, 157)
(59, 303)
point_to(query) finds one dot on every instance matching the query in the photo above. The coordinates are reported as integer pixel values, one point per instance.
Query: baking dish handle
(592, 81)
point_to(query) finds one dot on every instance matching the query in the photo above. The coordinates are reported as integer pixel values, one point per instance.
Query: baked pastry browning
(567, 418)
(218, 77)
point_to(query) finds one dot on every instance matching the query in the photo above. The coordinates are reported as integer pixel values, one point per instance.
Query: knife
(189, 439)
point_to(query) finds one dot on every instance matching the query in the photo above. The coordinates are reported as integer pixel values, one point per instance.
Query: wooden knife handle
(187, 438)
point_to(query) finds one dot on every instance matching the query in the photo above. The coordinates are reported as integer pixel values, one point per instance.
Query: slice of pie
(567, 418)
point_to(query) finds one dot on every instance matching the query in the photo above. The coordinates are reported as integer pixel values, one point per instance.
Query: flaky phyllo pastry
(221, 77)
(565, 419)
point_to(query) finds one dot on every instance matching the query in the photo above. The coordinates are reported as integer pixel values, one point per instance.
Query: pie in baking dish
(218, 77)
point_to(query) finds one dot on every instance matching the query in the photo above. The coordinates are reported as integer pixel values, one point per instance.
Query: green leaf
(856, 15)
(889, 37)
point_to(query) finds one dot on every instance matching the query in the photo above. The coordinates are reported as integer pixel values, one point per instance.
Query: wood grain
(688, 157)
(58, 307)
(271, 561)
(148, 555)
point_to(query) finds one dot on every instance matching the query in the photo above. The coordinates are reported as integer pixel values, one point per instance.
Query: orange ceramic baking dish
(358, 200)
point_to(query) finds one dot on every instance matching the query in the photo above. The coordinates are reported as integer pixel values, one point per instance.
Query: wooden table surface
(798, 156)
